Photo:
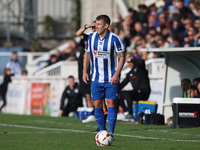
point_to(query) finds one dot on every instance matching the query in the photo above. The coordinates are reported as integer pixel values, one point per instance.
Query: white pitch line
(81, 131)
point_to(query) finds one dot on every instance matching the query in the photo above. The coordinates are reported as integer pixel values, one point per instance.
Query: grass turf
(52, 133)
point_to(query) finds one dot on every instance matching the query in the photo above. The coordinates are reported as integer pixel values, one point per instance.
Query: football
(103, 138)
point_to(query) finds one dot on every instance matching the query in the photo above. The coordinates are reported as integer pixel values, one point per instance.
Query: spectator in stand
(163, 20)
(186, 41)
(193, 8)
(148, 40)
(198, 90)
(133, 14)
(126, 30)
(197, 25)
(138, 29)
(192, 92)
(177, 28)
(160, 41)
(171, 11)
(151, 22)
(149, 44)
(14, 65)
(197, 40)
(185, 12)
(143, 13)
(69, 54)
(153, 9)
(117, 23)
(165, 32)
(152, 32)
(24, 73)
(52, 60)
(188, 24)
(58, 55)
(4, 86)
(191, 36)
(137, 42)
(177, 42)
(72, 94)
(198, 11)
(195, 81)
(185, 85)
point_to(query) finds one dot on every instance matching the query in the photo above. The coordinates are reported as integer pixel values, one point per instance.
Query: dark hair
(105, 18)
(14, 52)
(185, 84)
(71, 77)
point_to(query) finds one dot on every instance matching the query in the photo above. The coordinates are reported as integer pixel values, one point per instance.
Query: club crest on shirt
(95, 52)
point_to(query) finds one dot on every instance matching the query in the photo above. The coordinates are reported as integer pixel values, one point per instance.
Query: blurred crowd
(169, 23)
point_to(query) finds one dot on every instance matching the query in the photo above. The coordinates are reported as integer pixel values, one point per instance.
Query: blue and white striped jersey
(103, 55)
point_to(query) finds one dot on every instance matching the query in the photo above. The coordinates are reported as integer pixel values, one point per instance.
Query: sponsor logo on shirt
(101, 54)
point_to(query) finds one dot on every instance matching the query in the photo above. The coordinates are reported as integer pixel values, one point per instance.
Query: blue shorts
(104, 90)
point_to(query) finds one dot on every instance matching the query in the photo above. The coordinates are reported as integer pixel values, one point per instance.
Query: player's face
(101, 27)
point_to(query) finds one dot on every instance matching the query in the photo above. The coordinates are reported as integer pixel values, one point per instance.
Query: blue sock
(100, 118)
(112, 116)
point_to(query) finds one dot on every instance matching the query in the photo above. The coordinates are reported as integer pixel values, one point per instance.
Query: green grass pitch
(22, 132)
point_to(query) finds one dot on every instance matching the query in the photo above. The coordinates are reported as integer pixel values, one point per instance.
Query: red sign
(39, 98)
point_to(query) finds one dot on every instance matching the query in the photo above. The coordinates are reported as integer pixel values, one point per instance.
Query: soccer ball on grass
(103, 138)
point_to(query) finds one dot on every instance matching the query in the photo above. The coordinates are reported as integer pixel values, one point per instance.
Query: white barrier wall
(23, 95)
(55, 77)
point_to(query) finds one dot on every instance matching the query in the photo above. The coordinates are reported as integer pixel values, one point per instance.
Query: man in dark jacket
(72, 94)
(140, 86)
(4, 86)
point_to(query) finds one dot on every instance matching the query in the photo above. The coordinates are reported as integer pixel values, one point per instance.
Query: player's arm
(86, 62)
(80, 32)
(115, 77)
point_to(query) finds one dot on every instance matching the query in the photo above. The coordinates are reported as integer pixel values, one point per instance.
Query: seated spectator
(184, 11)
(140, 86)
(52, 60)
(197, 40)
(69, 54)
(163, 20)
(58, 55)
(185, 85)
(143, 13)
(165, 32)
(72, 94)
(195, 81)
(192, 92)
(193, 8)
(138, 29)
(186, 41)
(177, 28)
(160, 41)
(196, 25)
(198, 90)
(191, 36)
(24, 72)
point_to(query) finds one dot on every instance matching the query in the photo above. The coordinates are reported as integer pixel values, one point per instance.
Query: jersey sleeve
(119, 45)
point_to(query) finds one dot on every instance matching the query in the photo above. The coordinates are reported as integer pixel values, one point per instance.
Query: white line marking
(81, 131)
